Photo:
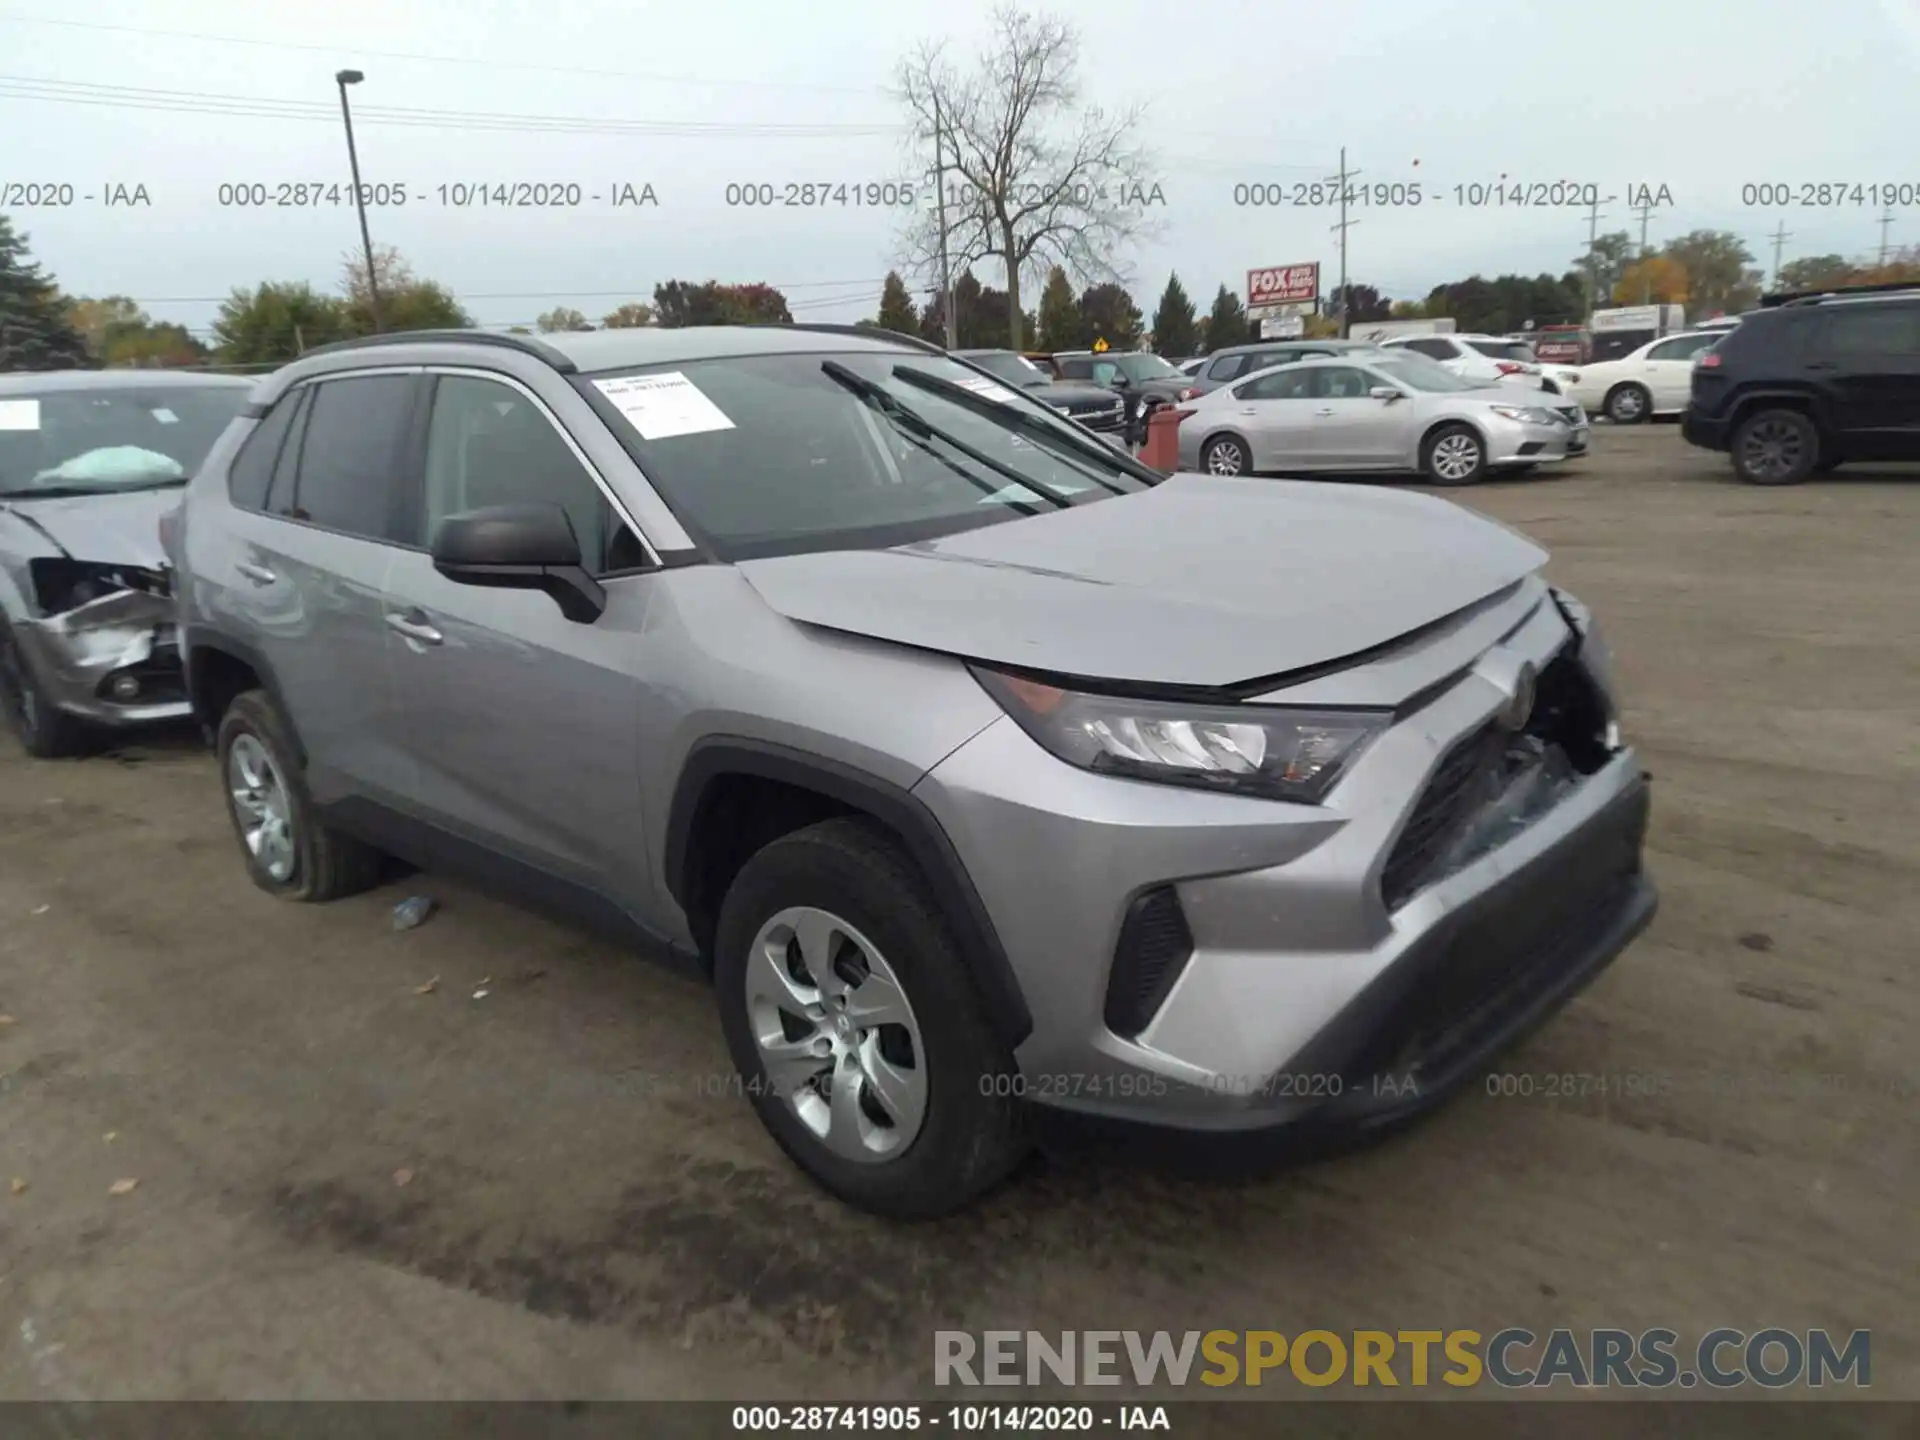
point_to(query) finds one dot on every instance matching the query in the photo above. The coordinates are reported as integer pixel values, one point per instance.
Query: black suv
(1144, 380)
(1093, 406)
(1811, 381)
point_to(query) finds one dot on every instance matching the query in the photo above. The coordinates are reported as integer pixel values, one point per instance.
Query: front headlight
(1525, 414)
(1593, 647)
(1267, 751)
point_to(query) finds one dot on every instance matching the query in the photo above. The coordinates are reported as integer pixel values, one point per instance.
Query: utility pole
(343, 79)
(1341, 229)
(940, 207)
(1780, 238)
(1594, 218)
(1645, 211)
(1886, 223)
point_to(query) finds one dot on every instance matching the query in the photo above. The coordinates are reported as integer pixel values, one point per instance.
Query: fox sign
(1283, 284)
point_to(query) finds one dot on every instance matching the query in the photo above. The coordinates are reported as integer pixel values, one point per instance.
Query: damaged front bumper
(112, 661)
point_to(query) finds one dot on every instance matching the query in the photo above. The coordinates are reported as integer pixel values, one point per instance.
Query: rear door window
(251, 472)
(353, 456)
(1870, 331)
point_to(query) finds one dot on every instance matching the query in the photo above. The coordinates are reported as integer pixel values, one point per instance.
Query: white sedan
(1656, 379)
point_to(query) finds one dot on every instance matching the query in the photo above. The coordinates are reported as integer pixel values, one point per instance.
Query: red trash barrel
(1162, 450)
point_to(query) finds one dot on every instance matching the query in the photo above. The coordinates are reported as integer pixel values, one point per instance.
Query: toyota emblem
(1519, 707)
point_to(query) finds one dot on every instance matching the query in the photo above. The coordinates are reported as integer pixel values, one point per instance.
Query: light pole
(344, 78)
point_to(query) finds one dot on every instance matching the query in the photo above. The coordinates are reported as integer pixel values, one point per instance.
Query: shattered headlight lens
(1267, 751)
(61, 585)
(1593, 650)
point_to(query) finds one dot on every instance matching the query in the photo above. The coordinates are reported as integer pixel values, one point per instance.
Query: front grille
(1569, 719)
(1107, 417)
(1155, 945)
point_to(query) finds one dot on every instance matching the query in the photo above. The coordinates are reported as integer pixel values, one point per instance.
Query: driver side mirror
(519, 547)
(1385, 392)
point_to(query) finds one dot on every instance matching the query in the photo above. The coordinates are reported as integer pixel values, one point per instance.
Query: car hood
(114, 529)
(1200, 581)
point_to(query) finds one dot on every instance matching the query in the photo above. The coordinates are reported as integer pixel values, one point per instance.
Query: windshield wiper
(890, 405)
(1032, 424)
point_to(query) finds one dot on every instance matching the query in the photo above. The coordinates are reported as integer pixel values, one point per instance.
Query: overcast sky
(1697, 96)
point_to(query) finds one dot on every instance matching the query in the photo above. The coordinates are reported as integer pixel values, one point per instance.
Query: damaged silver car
(90, 461)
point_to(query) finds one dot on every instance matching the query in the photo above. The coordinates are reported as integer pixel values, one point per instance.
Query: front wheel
(1226, 455)
(1453, 455)
(45, 731)
(855, 1029)
(1628, 404)
(1775, 447)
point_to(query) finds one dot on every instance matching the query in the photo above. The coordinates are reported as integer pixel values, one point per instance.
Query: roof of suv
(1331, 343)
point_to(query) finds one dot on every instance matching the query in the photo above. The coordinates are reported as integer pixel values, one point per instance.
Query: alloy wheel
(1772, 449)
(261, 805)
(836, 1034)
(1627, 404)
(1223, 458)
(1456, 456)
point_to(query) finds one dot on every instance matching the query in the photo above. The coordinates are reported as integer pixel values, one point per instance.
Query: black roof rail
(869, 332)
(1836, 292)
(526, 344)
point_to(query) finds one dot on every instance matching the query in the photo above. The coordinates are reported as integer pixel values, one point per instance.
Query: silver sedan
(1401, 414)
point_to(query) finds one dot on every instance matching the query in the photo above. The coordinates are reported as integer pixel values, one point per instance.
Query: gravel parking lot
(359, 1175)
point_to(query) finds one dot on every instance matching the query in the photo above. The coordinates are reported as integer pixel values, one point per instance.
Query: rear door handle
(1323, 412)
(415, 627)
(259, 574)
(1249, 411)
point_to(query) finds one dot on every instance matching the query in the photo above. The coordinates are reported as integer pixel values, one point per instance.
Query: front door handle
(415, 627)
(1323, 412)
(1249, 411)
(259, 574)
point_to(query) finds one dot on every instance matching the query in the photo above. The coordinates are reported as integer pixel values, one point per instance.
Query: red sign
(1284, 284)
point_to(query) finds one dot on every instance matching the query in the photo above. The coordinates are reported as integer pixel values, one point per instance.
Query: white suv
(1492, 358)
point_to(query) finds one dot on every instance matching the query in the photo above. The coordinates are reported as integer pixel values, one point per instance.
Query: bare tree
(1032, 180)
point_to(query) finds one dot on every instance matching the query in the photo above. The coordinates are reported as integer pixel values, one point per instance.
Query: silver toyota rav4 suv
(1002, 785)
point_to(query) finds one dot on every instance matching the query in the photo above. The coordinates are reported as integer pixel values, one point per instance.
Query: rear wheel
(1628, 404)
(289, 851)
(1226, 455)
(1453, 455)
(1775, 447)
(855, 1028)
(44, 731)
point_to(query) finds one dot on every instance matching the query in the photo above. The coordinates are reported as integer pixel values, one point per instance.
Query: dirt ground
(583, 1218)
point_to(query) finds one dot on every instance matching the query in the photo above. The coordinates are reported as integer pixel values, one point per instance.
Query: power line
(357, 51)
(29, 87)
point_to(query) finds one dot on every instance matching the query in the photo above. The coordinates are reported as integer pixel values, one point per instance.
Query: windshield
(1014, 369)
(99, 441)
(779, 454)
(1504, 350)
(1417, 372)
(1144, 367)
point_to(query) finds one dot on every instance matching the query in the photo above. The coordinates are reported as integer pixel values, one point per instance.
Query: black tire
(971, 1135)
(44, 731)
(1628, 404)
(327, 864)
(1233, 451)
(1775, 447)
(1445, 438)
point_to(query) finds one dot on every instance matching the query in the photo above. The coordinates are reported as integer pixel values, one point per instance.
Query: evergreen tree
(896, 306)
(1226, 322)
(1108, 313)
(36, 332)
(1174, 327)
(1059, 314)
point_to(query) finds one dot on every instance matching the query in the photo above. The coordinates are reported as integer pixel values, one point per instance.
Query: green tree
(1720, 271)
(1175, 328)
(406, 301)
(990, 319)
(896, 306)
(1652, 280)
(1602, 264)
(1816, 272)
(682, 302)
(1107, 312)
(632, 316)
(1227, 321)
(562, 318)
(152, 347)
(276, 322)
(1059, 314)
(98, 320)
(933, 319)
(35, 331)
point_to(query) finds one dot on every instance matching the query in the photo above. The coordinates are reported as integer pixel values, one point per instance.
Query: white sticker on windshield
(19, 414)
(166, 416)
(662, 406)
(987, 389)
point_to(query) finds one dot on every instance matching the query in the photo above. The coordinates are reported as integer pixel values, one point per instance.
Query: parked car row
(959, 747)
